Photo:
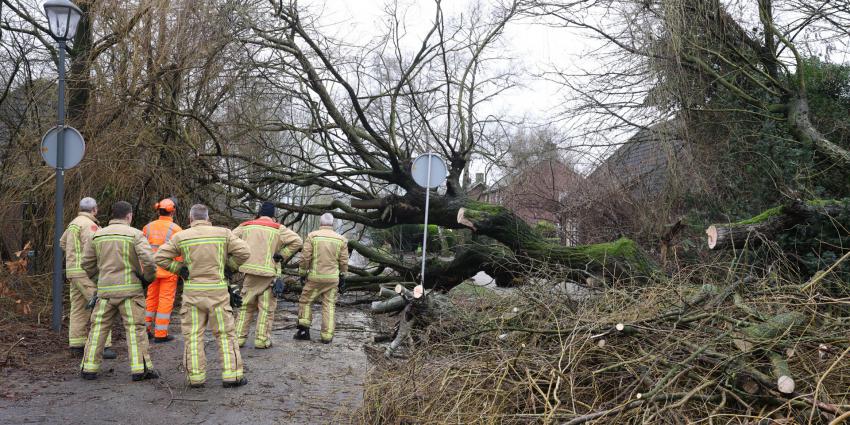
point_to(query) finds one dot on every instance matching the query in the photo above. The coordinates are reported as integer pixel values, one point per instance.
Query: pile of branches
(712, 344)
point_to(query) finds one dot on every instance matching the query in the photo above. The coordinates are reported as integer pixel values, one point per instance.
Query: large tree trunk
(492, 258)
(768, 224)
(518, 249)
(620, 257)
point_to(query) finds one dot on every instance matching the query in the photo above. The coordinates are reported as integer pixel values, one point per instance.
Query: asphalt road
(293, 382)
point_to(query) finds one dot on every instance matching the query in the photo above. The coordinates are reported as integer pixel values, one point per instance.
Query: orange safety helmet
(167, 204)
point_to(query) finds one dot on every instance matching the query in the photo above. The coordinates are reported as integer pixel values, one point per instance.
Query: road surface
(293, 382)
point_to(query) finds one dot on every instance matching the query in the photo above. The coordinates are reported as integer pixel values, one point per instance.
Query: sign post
(62, 148)
(63, 17)
(58, 224)
(429, 171)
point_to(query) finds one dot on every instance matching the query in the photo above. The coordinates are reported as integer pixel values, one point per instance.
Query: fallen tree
(357, 140)
(770, 223)
(621, 258)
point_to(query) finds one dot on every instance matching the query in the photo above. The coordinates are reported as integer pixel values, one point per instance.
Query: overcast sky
(533, 47)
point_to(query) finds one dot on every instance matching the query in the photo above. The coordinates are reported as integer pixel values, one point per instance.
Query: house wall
(537, 194)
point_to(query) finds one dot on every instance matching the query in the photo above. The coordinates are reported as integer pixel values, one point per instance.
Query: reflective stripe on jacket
(74, 241)
(158, 233)
(265, 238)
(324, 256)
(205, 250)
(117, 256)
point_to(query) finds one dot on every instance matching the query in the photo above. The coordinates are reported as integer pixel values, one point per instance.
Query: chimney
(479, 178)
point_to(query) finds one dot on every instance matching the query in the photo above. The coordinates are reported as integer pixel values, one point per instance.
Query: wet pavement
(293, 382)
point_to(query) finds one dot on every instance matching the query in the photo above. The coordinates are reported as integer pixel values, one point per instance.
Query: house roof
(644, 156)
(507, 179)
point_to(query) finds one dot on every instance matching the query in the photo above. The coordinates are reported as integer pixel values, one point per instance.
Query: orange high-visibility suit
(160, 298)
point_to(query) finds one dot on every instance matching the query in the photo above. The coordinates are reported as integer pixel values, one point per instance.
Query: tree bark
(784, 379)
(763, 334)
(769, 223)
(804, 131)
(518, 247)
(501, 224)
(621, 257)
(388, 306)
(79, 78)
(385, 292)
(492, 258)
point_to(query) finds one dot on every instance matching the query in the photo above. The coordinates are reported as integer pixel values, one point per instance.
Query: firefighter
(270, 242)
(161, 291)
(206, 251)
(121, 259)
(324, 262)
(82, 289)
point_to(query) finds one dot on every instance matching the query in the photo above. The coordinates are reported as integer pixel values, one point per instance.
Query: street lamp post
(63, 18)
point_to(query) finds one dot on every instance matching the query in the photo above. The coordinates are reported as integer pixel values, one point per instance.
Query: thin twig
(170, 393)
(9, 351)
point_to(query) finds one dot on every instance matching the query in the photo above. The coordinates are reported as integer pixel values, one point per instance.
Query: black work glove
(278, 287)
(92, 302)
(145, 283)
(277, 257)
(184, 272)
(302, 280)
(342, 286)
(235, 296)
(228, 274)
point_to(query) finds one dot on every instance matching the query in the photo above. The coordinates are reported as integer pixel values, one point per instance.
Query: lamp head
(63, 18)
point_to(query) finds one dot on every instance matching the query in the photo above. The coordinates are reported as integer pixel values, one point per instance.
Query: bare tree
(368, 111)
(687, 52)
(251, 100)
(142, 88)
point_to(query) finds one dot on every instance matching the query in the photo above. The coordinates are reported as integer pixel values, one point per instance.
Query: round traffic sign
(75, 147)
(425, 163)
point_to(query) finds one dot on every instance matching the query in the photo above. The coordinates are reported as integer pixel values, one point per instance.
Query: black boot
(327, 341)
(233, 384)
(109, 353)
(303, 334)
(160, 340)
(88, 376)
(147, 374)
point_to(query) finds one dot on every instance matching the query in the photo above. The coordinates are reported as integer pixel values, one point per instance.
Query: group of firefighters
(118, 270)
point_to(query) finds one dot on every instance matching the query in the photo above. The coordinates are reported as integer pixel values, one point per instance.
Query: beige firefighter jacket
(265, 238)
(324, 256)
(205, 249)
(74, 241)
(118, 256)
